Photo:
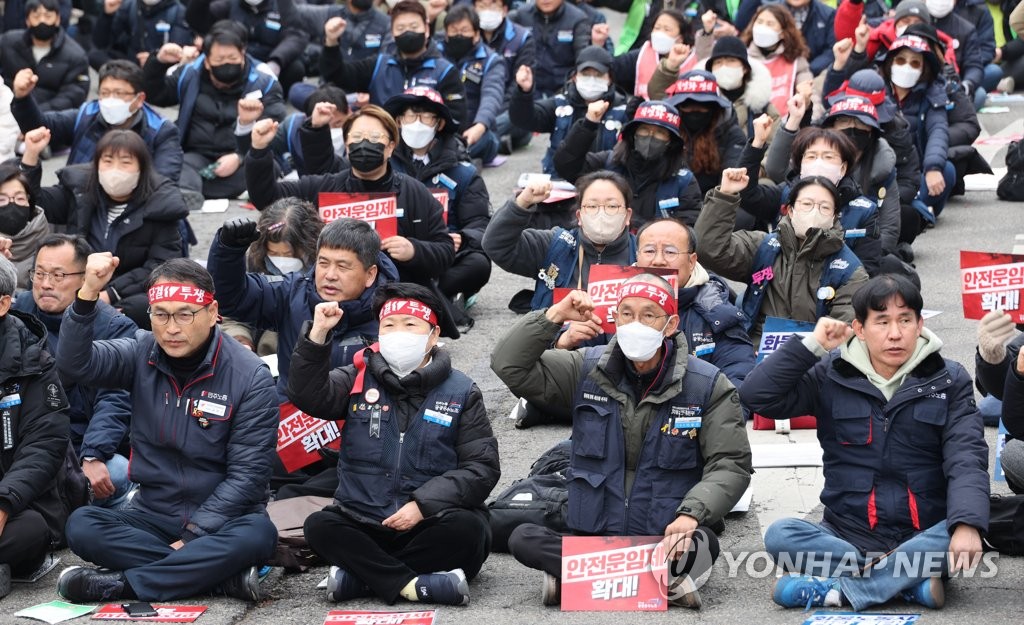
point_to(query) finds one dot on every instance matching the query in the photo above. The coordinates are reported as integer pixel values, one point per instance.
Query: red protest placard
(168, 614)
(366, 617)
(378, 209)
(605, 281)
(441, 195)
(614, 573)
(990, 281)
(300, 436)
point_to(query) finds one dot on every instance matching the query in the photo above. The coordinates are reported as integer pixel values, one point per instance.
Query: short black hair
(10, 171)
(76, 241)
(353, 235)
(584, 182)
(409, 6)
(120, 69)
(49, 5)
(690, 233)
(877, 292)
(226, 33)
(407, 290)
(461, 13)
(327, 93)
(184, 270)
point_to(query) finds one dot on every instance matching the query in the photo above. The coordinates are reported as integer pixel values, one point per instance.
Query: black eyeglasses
(181, 318)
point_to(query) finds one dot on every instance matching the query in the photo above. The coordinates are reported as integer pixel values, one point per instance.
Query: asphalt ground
(506, 592)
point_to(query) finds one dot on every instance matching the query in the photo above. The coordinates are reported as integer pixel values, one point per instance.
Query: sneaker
(342, 585)
(551, 592)
(244, 585)
(447, 588)
(5, 580)
(79, 584)
(931, 593)
(683, 593)
(1007, 85)
(804, 591)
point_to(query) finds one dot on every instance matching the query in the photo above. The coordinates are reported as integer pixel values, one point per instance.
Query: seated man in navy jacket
(906, 465)
(203, 437)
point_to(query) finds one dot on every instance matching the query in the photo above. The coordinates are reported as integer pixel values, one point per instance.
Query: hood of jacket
(758, 92)
(444, 155)
(22, 345)
(855, 352)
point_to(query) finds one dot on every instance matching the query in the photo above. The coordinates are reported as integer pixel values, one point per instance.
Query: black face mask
(860, 138)
(228, 73)
(696, 121)
(366, 156)
(362, 5)
(44, 32)
(649, 148)
(14, 218)
(457, 46)
(410, 42)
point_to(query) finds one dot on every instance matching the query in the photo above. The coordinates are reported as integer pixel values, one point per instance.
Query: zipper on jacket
(398, 469)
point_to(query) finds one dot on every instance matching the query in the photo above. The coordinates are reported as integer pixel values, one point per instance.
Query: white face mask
(764, 36)
(403, 351)
(661, 42)
(729, 77)
(591, 87)
(286, 264)
(818, 167)
(118, 183)
(338, 139)
(905, 76)
(900, 30)
(417, 134)
(490, 19)
(638, 342)
(940, 8)
(253, 3)
(115, 110)
(802, 222)
(602, 229)
(151, 3)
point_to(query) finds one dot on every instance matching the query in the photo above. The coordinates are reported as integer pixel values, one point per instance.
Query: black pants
(24, 542)
(539, 547)
(218, 188)
(468, 274)
(386, 560)
(322, 484)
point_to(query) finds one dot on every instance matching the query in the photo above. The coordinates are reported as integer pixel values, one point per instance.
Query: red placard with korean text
(441, 195)
(603, 288)
(366, 617)
(991, 281)
(168, 614)
(378, 209)
(614, 574)
(300, 437)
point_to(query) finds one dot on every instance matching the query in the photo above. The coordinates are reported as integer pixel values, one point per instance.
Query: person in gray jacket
(652, 426)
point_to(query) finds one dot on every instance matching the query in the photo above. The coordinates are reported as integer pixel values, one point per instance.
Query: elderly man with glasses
(203, 434)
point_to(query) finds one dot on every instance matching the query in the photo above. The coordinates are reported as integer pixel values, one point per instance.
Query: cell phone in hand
(139, 609)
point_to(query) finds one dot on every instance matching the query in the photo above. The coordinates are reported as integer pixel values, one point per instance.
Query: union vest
(188, 89)
(670, 461)
(563, 253)
(611, 126)
(83, 145)
(389, 79)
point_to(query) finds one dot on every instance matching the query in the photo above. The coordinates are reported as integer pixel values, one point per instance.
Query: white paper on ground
(743, 505)
(55, 611)
(215, 206)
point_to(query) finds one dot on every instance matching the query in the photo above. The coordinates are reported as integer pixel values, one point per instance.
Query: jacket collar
(22, 345)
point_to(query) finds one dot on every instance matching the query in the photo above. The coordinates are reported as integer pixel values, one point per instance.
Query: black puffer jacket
(144, 236)
(63, 73)
(30, 463)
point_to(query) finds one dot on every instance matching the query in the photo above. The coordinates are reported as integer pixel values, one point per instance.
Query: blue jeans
(117, 467)
(802, 547)
(993, 74)
(486, 148)
(139, 543)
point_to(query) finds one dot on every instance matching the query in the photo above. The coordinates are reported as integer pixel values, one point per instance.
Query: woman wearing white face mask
(913, 75)
(120, 205)
(802, 271)
(403, 403)
(560, 257)
(634, 69)
(773, 38)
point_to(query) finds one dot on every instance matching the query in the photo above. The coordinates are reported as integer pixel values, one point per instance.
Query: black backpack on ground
(1006, 525)
(541, 498)
(1011, 186)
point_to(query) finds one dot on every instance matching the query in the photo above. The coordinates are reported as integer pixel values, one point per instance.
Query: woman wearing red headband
(418, 457)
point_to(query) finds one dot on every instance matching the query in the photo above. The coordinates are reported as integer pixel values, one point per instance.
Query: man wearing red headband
(418, 457)
(203, 433)
(652, 425)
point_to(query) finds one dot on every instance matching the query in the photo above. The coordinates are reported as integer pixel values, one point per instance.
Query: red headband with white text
(184, 293)
(411, 307)
(652, 292)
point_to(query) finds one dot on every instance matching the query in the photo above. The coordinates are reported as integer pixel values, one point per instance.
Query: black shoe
(449, 588)
(5, 580)
(905, 251)
(244, 585)
(528, 415)
(342, 586)
(79, 584)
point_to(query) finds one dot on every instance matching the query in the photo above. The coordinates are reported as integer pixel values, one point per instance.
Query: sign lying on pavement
(367, 617)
